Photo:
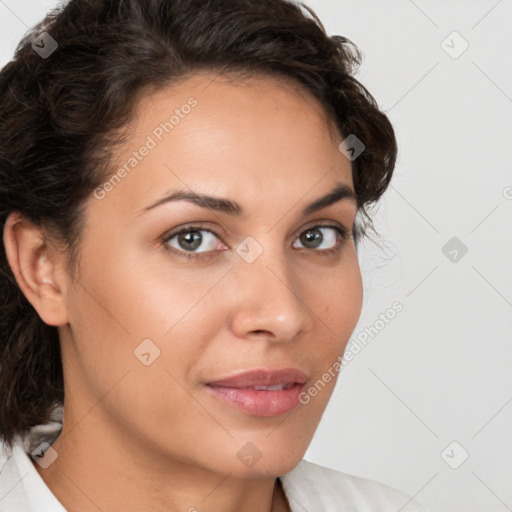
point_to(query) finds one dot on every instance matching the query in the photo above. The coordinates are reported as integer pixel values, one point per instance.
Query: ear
(34, 268)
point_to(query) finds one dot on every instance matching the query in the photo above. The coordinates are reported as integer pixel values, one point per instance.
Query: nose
(266, 299)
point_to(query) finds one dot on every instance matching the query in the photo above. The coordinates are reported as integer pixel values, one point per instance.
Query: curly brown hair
(62, 114)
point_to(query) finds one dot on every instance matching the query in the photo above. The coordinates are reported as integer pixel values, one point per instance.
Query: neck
(95, 471)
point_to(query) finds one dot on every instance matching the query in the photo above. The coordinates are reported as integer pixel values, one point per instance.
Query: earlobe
(29, 256)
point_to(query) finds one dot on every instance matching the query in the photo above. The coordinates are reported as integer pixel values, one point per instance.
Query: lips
(261, 392)
(263, 378)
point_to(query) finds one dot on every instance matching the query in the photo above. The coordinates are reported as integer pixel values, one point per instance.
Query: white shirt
(308, 487)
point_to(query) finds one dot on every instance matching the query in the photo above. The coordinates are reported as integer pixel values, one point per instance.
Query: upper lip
(262, 378)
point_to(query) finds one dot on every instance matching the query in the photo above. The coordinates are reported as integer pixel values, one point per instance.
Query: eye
(190, 239)
(329, 236)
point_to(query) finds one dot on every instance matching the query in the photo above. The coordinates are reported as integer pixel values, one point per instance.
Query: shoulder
(11, 482)
(7, 467)
(21, 487)
(312, 486)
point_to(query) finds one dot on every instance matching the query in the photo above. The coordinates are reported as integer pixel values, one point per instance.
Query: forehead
(258, 137)
(231, 93)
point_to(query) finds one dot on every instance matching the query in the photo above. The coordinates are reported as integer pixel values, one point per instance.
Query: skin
(139, 437)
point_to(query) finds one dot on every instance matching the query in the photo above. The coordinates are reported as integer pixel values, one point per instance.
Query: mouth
(261, 392)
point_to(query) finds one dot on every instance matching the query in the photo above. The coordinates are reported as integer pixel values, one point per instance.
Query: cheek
(119, 306)
(121, 302)
(338, 297)
(338, 301)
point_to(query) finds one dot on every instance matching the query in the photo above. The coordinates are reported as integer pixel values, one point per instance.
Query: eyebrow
(341, 191)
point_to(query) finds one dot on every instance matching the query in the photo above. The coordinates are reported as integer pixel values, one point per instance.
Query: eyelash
(342, 232)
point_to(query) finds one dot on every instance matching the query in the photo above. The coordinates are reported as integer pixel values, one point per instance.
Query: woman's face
(159, 321)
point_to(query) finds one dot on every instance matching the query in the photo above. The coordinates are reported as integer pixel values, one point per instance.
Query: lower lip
(259, 403)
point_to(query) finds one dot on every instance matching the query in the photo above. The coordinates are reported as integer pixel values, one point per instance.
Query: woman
(180, 182)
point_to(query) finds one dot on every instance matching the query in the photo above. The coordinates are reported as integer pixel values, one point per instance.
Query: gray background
(434, 385)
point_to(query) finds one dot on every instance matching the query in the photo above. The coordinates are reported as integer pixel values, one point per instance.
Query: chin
(264, 459)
